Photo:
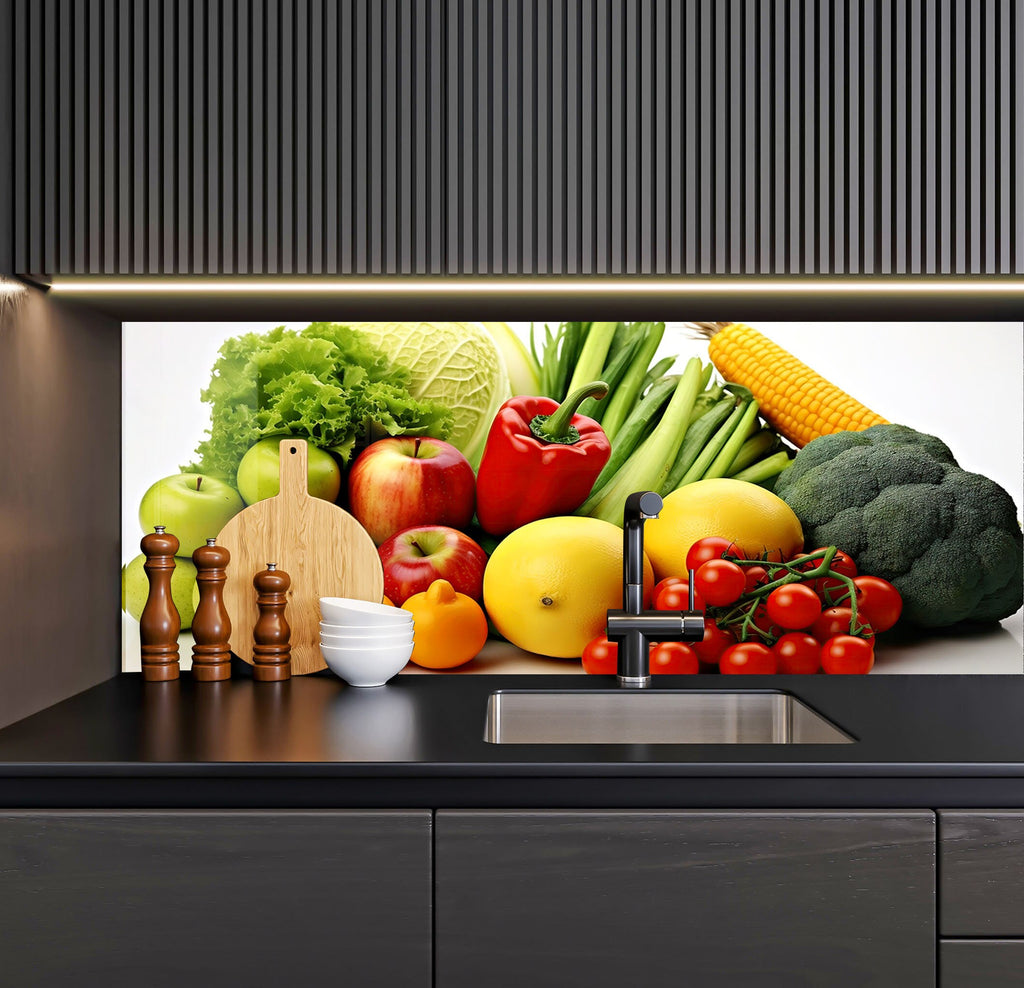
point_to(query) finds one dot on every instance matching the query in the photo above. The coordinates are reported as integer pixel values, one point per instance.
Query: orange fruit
(549, 585)
(757, 520)
(449, 628)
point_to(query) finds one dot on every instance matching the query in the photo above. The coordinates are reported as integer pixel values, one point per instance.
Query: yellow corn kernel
(798, 402)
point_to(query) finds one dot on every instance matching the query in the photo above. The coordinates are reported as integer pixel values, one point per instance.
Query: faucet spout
(633, 628)
(640, 507)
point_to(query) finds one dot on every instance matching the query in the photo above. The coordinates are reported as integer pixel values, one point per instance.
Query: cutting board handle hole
(293, 450)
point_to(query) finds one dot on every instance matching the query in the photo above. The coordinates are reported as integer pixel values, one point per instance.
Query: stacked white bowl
(362, 642)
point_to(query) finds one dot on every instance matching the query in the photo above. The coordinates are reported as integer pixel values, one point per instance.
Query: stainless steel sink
(655, 717)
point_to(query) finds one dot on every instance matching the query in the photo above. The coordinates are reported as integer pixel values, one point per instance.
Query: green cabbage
(455, 363)
(327, 384)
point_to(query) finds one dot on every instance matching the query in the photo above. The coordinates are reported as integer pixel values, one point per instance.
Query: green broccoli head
(896, 500)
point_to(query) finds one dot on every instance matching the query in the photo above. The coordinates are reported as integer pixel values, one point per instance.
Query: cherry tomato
(712, 547)
(601, 657)
(755, 575)
(847, 655)
(669, 581)
(719, 581)
(716, 641)
(836, 621)
(748, 658)
(674, 659)
(879, 601)
(798, 653)
(676, 597)
(793, 605)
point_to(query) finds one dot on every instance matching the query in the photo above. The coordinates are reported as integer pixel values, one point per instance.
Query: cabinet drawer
(663, 898)
(981, 873)
(981, 963)
(165, 899)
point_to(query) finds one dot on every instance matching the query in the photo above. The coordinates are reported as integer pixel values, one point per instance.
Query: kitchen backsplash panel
(422, 433)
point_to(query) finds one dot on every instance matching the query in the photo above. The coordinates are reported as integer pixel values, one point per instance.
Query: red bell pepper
(541, 460)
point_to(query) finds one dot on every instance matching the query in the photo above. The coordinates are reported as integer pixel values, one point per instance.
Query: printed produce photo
(838, 498)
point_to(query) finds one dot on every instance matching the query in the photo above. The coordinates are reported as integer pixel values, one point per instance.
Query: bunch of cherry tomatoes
(809, 613)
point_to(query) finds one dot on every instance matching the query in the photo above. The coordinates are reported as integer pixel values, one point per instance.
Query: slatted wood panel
(519, 136)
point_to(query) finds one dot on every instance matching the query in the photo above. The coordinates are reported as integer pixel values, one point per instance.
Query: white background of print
(960, 381)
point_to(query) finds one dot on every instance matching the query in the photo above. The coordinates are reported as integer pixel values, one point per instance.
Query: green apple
(191, 506)
(259, 473)
(135, 588)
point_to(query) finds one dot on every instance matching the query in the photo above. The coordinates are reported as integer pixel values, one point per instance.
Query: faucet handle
(643, 505)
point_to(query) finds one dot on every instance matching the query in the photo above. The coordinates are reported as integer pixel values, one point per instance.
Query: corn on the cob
(799, 403)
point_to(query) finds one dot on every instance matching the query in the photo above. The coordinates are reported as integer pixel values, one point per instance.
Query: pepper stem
(557, 427)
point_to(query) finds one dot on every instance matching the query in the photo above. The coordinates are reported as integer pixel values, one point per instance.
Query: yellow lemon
(549, 585)
(757, 520)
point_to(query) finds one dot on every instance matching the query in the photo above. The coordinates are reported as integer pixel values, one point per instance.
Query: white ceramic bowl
(367, 641)
(366, 630)
(362, 666)
(344, 610)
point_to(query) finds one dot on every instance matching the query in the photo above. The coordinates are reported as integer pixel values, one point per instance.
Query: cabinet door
(214, 898)
(982, 868)
(601, 898)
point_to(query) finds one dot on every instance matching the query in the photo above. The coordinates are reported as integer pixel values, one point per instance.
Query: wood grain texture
(981, 963)
(324, 550)
(981, 871)
(746, 898)
(163, 899)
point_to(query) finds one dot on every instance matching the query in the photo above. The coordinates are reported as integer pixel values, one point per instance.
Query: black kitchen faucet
(633, 628)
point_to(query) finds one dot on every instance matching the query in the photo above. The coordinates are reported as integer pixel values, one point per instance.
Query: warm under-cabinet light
(555, 285)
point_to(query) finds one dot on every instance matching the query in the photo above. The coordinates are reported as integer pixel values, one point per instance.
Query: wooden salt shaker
(211, 626)
(160, 622)
(271, 650)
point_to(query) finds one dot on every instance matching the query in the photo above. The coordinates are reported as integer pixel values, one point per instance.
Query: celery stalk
(648, 467)
(590, 357)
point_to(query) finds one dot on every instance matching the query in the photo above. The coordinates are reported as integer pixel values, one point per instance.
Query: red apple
(415, 557)
(410, 480)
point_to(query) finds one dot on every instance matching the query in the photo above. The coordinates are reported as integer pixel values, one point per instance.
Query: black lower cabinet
(165, 899)
(608, 898)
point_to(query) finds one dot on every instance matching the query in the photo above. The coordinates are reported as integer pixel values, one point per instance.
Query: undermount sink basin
(655, 717)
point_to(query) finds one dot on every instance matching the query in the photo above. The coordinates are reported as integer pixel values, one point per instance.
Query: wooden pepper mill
(271, 650)
(211, 626)
(160, 622)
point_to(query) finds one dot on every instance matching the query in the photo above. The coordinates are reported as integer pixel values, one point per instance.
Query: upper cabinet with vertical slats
(518, 136)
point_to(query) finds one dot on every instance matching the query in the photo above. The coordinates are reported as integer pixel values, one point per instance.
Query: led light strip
(555, 285)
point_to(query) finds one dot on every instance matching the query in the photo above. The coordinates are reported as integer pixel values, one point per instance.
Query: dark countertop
(921, 741)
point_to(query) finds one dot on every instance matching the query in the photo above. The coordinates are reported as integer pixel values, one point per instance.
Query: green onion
(648, 467)
(756, 446)
(695, 440)
(611, 375)
(635, 429)
(713, 448)
(764, 470)
(622, 401)
(660, 369)
(739, 436)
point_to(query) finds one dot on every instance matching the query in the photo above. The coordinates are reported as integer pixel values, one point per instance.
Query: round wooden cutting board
(325, 551)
